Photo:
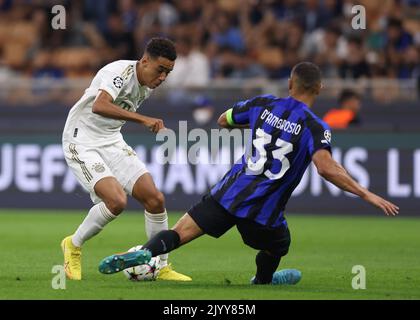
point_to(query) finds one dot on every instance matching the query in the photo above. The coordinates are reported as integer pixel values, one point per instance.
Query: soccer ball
(144, 272)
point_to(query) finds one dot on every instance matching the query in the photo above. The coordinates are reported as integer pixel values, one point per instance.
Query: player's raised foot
(121, 261)
(286, 276)
(167, 273)
(72, 259)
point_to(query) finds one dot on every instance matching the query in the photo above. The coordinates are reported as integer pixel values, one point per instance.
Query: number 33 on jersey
(285, 134)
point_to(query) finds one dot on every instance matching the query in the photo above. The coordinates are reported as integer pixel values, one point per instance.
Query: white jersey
(119, 79)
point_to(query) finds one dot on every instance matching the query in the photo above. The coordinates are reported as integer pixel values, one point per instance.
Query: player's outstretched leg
(162, 243)
(119, 262)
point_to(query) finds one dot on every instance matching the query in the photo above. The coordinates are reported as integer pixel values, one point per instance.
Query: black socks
(163, 242)
(168, 240)
(266, 266)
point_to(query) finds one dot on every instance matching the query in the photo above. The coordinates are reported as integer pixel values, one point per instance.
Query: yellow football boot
(167, 273)
(72, 259)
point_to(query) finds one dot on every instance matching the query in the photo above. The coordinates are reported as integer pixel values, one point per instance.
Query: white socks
(156, 222)
(98, 217)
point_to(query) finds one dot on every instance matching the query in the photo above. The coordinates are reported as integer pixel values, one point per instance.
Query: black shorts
(215, 220)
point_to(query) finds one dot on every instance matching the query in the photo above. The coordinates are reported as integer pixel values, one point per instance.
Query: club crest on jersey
(99, 167)
(118, 82)
(327, 136)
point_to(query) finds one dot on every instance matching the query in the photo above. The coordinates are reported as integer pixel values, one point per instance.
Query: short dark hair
(308, 76)
(161, 47)
(348, 94)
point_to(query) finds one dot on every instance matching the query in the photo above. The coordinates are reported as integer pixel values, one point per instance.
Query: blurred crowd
(214, 38)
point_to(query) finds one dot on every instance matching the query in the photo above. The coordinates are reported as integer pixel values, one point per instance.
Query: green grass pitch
(324, 248)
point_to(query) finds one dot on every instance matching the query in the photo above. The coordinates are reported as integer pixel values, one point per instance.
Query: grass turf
(324, 248)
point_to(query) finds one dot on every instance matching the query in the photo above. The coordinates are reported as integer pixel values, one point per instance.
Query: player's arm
(104, 106)
(240, 114)
(226, 121)
(332, 171)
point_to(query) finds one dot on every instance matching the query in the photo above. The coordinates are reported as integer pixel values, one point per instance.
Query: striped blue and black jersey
(285, 134)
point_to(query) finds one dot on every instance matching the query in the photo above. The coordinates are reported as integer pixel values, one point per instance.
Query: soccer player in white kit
(102, 161)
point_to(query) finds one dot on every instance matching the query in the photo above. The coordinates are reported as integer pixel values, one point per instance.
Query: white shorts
(90, 164)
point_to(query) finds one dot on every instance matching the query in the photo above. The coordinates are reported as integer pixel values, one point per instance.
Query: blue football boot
(121, 261)
(285, 276)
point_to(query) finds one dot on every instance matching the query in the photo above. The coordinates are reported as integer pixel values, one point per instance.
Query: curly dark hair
(161, 47)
